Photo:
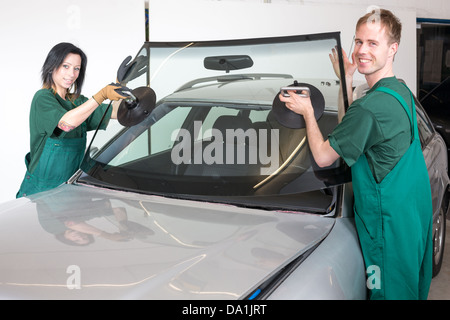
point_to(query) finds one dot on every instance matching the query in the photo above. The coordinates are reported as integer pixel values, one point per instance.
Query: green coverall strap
(394, 221)
(412, 119)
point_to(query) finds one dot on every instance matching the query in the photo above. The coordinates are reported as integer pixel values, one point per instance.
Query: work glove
(113, 91)
(124, 69)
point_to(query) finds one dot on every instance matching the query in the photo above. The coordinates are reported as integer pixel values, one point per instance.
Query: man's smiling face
(374, 55)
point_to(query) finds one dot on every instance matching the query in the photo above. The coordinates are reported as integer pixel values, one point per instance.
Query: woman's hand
(112, 92)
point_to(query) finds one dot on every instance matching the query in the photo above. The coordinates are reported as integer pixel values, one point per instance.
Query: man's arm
(323, 153)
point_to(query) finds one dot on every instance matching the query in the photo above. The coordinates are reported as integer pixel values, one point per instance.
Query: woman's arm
(115, 106)
(73, 118)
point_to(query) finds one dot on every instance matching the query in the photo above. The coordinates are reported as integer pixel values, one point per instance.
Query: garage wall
(247, 19)
(109, 30)
(435, 9)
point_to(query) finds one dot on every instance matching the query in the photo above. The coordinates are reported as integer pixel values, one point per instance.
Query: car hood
(151, 247)
(143, 246)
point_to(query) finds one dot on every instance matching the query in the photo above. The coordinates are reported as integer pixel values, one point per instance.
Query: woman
(59, 119)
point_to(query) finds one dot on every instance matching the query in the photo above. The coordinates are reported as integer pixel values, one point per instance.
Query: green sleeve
(45, 112)
(358, 131)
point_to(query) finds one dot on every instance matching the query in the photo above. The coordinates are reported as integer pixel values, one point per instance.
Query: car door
(435, 154)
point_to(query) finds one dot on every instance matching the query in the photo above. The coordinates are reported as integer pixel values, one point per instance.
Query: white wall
(109, 30)
(436, 9)
(232, 19)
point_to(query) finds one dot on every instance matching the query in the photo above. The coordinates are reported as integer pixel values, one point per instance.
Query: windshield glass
(213, 133)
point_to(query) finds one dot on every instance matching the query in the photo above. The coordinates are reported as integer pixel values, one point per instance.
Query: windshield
(214, 133)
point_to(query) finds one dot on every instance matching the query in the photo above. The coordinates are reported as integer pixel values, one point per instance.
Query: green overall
(59, 160)
(55, 155)
(394, 221)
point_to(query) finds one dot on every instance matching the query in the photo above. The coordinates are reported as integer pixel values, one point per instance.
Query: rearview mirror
(228, 63)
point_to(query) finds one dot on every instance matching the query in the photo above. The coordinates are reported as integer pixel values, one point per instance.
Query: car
(205, 187)
(435, 102)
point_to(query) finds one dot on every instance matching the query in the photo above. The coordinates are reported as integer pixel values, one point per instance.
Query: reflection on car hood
(150, 247)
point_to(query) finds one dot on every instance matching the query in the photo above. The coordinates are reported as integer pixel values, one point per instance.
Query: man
(378, 139)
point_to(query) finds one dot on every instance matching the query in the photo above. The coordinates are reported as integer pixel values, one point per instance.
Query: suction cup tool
(135, 109)
(289, 118)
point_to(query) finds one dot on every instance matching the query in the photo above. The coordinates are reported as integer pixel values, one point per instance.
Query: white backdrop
(210, 20)
(109, 30)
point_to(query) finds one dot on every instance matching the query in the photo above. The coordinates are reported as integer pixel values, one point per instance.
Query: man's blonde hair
(387, 19)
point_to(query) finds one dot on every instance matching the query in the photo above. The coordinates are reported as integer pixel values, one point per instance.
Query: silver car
(205, 188)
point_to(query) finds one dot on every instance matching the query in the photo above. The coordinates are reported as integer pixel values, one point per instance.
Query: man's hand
(349, 67)
(298, 104)
(323, 153)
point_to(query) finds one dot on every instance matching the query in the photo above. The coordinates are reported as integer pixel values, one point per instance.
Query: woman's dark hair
(54, 60)
(61, 237)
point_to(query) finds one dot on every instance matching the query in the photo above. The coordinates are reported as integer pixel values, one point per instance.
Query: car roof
(254, 89)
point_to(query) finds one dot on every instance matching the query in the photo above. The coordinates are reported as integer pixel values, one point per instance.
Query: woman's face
(66, 74)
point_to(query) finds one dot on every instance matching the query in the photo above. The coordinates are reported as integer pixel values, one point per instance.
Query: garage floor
(440, 285)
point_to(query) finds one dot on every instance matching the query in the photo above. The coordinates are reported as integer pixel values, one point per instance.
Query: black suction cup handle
(133, 111)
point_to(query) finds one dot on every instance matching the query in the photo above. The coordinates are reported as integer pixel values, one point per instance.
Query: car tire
(439, 239)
